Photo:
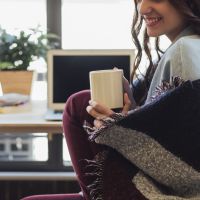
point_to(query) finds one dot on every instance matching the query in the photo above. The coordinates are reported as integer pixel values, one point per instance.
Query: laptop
(68, 72)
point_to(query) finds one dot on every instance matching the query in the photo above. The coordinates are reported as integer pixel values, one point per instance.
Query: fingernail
(93, 103)
(88, 109)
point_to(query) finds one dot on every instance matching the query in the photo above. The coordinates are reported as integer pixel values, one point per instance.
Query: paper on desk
(13, 99)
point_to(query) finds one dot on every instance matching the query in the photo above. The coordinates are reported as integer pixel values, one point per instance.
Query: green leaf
(25, 47)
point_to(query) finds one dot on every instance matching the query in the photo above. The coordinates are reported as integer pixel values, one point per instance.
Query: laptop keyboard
(58, 111)
(55, 115)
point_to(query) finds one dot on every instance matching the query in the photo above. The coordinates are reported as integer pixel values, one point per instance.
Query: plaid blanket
(152, 153)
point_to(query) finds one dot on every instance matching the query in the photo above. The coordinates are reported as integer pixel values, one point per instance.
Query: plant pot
(16, 81)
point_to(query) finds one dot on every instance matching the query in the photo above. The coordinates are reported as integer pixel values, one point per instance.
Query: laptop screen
(68, 70)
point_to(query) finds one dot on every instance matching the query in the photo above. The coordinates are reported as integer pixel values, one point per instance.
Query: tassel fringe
(96, 188)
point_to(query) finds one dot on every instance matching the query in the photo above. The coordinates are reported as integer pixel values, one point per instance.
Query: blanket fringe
(97, 165)
(166, 86)
(107, 122)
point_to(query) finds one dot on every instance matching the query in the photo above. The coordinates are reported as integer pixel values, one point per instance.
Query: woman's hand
(99, 111)
(127, 89)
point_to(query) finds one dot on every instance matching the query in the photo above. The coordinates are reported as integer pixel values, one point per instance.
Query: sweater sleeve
(181, 59)
(185, 60)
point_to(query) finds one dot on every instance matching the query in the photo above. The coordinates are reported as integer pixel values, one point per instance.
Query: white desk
(28, 118)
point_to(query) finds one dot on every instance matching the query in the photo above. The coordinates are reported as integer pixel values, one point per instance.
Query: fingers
(128, 90)
(98, 123)
(127, 104)
(99, 108)
(126, 84)
(94, 113)
(99, 111)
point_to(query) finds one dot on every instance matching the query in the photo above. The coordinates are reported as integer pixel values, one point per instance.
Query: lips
(152, 21)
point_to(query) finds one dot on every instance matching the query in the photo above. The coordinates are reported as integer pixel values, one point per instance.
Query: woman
(160, 167)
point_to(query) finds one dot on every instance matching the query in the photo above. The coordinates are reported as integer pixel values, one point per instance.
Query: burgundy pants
(77, 139)
(80, 149)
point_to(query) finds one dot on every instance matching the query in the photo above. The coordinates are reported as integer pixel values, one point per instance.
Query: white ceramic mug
(107, 87)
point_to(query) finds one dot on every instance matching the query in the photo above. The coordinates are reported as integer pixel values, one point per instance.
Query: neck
(174, 36)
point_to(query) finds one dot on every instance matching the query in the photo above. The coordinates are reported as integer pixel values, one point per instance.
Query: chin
(153, 34)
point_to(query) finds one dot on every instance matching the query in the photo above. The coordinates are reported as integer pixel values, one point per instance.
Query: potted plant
(17, 51)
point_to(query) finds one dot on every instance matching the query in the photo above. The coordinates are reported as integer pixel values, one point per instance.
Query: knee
(76, 104)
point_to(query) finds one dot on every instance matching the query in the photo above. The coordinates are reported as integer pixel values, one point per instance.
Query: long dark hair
(190, 9)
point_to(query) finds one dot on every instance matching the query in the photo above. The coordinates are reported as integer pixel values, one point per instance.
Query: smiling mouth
(152, 21)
